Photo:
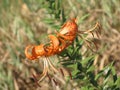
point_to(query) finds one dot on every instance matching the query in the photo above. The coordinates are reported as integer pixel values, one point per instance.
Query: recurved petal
(55, 41)
(28, 55)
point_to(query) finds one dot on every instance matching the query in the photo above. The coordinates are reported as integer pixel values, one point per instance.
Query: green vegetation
(25, 22)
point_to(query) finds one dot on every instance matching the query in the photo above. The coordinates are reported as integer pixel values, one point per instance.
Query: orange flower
(57, 44)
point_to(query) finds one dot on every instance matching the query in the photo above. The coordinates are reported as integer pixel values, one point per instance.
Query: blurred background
(25, 22)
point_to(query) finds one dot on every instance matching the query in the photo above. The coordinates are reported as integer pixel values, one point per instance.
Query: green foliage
(82, 68)
(15, 34)
(56, 11)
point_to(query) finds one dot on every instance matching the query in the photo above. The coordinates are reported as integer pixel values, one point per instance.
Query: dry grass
(20, 25)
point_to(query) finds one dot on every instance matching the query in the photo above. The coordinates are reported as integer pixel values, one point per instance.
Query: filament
(45, 70)
(90, 30)
(52, 66)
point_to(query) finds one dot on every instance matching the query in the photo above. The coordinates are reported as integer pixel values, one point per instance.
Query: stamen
(62, 71)
(49, 77)
(90, 30)
(70, 75)
(44, 71)
(56, 83)
(36, 80)
(52, 66)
